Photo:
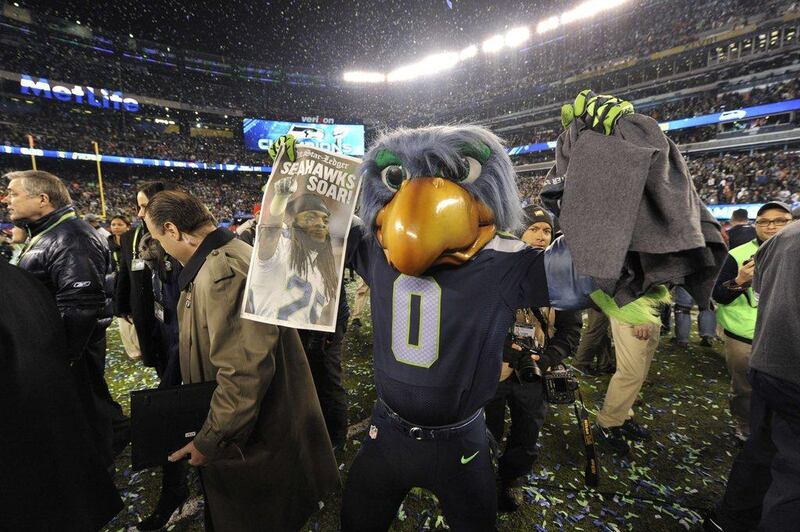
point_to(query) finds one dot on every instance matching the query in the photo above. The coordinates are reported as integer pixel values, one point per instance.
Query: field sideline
(663, 485)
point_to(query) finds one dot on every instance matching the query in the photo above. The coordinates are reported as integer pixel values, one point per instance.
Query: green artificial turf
(664, 484)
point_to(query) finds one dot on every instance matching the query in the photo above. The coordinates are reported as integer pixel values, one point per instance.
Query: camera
(559, 386)
(517, 353)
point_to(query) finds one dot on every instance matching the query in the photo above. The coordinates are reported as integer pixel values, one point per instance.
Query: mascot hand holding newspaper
(445, 279)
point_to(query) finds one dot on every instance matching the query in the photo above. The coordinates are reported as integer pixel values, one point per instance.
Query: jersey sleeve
(359, 249)
(546, 279)
(567, 290)
(280, 256)
(525, 284)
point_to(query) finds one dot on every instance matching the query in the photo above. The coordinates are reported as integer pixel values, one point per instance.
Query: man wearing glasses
(738, 308)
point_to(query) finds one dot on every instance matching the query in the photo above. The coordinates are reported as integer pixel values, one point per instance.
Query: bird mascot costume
(446, 277)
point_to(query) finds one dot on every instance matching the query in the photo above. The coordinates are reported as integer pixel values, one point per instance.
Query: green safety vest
(739, 316)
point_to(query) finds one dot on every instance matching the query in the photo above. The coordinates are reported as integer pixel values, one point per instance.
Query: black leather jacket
(71, 259)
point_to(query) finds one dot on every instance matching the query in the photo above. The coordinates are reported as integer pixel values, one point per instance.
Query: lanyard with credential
(135, 238)
(35, 239)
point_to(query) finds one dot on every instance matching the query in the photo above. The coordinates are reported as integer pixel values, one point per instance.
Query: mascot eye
(393, 176)
(471, 170)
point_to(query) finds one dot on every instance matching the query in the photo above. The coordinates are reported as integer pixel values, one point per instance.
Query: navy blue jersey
(438, 338)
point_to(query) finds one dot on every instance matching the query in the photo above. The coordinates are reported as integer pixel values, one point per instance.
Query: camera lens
(529, 371)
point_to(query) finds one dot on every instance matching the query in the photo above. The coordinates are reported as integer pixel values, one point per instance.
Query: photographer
(738, 308)
(554, 335)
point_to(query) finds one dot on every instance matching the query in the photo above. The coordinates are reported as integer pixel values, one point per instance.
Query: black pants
(528, 409)
(110, 428)
(763, 488)
(324, 352)
(458, 470)
(595, 343)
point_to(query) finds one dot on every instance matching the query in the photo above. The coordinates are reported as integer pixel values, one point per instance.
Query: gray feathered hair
(426, 152)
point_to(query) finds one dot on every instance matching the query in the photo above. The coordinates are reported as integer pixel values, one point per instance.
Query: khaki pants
(633, 363)
(737, 358)
(129, 339)
(361, 299)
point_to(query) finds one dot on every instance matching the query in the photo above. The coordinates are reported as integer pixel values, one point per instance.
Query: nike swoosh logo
(465, 461)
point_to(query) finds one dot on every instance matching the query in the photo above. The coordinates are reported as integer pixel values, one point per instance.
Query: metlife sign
(100, 98)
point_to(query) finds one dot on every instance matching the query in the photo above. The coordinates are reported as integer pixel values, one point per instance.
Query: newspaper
(298, 256)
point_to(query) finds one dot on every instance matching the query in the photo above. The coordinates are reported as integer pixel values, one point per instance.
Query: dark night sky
(332, 35)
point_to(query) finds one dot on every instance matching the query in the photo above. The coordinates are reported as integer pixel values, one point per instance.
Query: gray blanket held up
(630, 213)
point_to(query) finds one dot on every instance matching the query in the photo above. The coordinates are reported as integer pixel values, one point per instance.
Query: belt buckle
(415, 432)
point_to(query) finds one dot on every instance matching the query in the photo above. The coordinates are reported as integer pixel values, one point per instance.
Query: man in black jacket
(71, 259)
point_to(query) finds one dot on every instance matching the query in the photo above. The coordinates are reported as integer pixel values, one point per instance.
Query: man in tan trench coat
(264, 454)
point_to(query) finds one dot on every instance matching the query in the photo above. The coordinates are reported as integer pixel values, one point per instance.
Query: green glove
(598, 112)
(284, 141)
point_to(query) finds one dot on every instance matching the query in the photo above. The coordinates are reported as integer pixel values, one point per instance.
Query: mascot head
(437, 195)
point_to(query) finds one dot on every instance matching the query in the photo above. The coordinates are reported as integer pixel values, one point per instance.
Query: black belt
(738, 338)
(421, 432)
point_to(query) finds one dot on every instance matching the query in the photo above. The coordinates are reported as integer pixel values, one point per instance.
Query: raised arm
(271, 225)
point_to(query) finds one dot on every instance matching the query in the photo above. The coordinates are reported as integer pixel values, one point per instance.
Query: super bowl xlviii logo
(102, 98)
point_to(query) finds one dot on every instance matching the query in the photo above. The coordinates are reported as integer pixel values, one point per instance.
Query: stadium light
(438, 62)
(432, 64)
(468, 52)
(547, 25)
(512, 38)
(517, 36)
(403, 73)
(364, 77)
(584, 10)
(494, 44)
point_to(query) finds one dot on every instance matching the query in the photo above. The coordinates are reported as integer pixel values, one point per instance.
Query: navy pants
(457, 469)
(528, 409)
(763, 490)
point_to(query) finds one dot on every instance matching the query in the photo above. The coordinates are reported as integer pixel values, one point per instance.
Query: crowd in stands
(747, 178)
(57, 128)
(716, 102)
(729, 178)
(227, 195)
(708, 102)
(535, 77)
(76, 132)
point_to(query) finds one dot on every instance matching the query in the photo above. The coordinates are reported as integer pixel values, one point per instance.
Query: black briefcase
(163, 420)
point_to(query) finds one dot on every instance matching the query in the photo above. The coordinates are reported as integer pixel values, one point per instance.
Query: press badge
(524, 330)
(159, 311)
(137, 265)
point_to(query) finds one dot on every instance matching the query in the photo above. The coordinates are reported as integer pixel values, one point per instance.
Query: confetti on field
(662, 485)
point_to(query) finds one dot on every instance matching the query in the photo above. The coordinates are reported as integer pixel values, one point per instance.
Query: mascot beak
(432, 221)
